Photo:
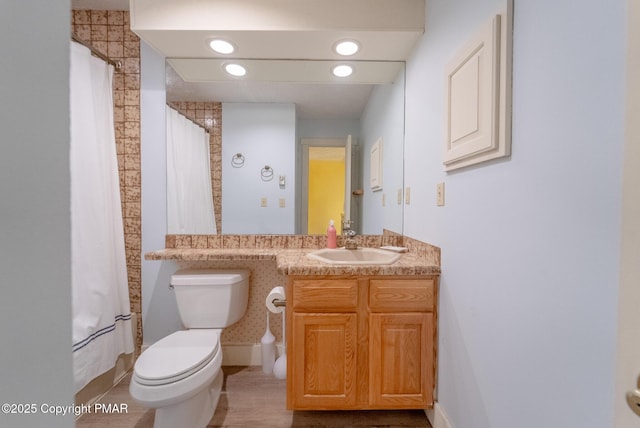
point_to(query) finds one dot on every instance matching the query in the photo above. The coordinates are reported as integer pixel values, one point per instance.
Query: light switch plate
(440, 194)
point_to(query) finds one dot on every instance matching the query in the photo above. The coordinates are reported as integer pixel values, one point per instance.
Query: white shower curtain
(100, 292)
(189, 196)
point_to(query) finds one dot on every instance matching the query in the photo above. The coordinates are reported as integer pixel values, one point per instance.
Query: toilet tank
(211, 298)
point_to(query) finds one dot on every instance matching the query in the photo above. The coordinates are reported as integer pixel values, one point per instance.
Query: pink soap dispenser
(331, 235)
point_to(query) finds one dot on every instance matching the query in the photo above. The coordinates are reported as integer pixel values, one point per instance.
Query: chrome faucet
(350, 243)
(346, 228)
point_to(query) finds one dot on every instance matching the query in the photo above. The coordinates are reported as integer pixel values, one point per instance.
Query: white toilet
(180, 375)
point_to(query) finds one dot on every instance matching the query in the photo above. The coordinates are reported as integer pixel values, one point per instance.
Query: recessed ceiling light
(342, 70)
(222, 46)
(346, 47)
(235, 70)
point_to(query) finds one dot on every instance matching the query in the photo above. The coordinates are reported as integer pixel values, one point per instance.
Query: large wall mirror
(289, 146)
(295, 141)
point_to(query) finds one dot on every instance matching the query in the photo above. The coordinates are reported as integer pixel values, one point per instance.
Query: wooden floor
(250, 399)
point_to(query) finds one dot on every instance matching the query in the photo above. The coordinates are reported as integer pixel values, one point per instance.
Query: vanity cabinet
(323, 341)
(401, 347)
(361, 342)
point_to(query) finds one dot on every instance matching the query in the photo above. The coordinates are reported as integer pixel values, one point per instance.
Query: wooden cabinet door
(401, 360)
(324, 356)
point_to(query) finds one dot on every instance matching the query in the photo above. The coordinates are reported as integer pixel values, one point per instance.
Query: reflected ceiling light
(346, 47)
(235, 70)
(342, 70)
(222, 46)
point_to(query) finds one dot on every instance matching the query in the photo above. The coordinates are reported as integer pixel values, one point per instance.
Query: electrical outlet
(263, 202)
(440, 194)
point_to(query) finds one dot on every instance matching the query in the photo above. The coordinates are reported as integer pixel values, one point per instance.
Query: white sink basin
(361, 256)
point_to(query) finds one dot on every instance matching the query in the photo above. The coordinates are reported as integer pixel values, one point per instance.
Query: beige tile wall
(109, 32)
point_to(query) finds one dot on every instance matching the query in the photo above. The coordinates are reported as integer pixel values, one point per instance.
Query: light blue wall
(35, 230)
(159, 309)
(328, 128)
(383, 118)
(265, 133)
(530, 243)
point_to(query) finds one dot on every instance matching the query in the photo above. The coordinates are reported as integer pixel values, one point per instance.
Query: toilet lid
(176, 356)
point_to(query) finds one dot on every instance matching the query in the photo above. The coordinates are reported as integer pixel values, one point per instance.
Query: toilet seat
(177, 356)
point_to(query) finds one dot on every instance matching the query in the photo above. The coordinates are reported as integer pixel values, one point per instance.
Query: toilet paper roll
(275, 293)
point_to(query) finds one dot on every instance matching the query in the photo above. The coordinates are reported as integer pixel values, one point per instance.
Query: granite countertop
(204, 254)
(295, 261)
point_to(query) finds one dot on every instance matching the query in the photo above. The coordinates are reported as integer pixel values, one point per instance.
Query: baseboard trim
(244, 354)
(437, 417)
(241, 354)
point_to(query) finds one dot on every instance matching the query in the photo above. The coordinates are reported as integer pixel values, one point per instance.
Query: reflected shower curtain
(189, 196)
(100, 292)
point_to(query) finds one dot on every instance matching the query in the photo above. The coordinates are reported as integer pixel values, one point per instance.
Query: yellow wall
(326, 195)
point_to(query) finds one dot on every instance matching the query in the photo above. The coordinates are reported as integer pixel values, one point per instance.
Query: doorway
(326, 184)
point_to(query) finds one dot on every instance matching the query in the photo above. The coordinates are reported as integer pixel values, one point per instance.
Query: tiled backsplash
(272, 241)
(421, 249)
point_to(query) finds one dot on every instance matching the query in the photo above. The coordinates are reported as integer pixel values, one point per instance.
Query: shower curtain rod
(116, 63)
(170, 104)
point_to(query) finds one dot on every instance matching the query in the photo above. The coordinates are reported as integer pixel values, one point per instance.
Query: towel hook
(266, 173)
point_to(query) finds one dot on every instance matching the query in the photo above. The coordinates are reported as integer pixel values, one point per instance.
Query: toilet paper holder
(276, 300)
(279, 302)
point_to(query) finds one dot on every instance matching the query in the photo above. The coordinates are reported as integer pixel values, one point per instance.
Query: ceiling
(327, 101)
(298, 33)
